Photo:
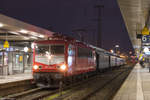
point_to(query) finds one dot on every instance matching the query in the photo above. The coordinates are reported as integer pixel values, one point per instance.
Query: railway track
(68, 91)
(99, 83)
(16, 87)
(39, 93)
(108, 90)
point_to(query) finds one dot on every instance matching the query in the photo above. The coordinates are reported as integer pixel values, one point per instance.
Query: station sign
(146, 39)
(6, 44)
(145, 31)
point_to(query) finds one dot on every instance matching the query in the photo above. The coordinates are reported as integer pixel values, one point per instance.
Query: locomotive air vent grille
(40, 67)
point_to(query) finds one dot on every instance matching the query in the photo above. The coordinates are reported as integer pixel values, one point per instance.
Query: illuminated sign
(146, 39)
(6, 44)
(145, 31)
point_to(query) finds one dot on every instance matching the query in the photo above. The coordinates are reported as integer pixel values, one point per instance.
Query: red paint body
(78, 64)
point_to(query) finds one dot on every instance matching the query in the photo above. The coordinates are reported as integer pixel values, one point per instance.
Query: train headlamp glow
(63, 67)
(35, 67)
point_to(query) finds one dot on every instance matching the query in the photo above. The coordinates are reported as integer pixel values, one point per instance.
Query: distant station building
(16, 40)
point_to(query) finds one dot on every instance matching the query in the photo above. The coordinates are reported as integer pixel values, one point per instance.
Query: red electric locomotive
(60, 58)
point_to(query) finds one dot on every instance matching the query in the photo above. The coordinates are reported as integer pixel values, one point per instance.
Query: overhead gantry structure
(136, 16)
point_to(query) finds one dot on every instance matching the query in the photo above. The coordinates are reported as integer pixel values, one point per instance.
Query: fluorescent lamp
(23, 31)
(1, 25)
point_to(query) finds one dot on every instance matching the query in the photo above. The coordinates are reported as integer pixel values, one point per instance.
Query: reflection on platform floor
(14, 78)
(15, 62)
(136, 86)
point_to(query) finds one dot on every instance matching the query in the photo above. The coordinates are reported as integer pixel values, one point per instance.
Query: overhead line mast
(99, 26)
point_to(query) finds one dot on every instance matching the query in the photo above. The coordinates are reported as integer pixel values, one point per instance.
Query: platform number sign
(146, 39)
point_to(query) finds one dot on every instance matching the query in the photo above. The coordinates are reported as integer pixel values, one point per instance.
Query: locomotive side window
(85, 52)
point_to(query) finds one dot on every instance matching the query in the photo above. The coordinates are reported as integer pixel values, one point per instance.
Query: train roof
(63, 37)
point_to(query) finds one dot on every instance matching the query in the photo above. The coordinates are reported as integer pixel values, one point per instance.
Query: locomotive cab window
(49, 54)
(57, 49)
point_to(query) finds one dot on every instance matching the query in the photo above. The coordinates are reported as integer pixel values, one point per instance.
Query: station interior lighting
(13, 32)
(17, 49)
(41, 36)
(23, 31)
(146, 49)
(122, 56)
(130, 52)
(112, 51)
(26, 38)
(34, 34)
(117, 46)
(33, 37)
(26, 49)
(1, 25)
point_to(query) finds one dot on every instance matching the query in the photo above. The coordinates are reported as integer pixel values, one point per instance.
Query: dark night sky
(66, 15)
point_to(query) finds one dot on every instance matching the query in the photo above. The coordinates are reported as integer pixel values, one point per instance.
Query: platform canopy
(135, 14)
(15, 30)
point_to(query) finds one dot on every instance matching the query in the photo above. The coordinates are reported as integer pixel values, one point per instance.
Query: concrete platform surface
(14, 78)
(136, 86)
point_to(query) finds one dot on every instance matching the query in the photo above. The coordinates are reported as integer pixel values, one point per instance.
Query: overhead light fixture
(41, 36)
(23, 31)
(112, 51)
(26, 49)
(37, 34)
(1, 25)
(33, 37)
(13, 32)
(34, 33)
(117, 46)
(27, 38)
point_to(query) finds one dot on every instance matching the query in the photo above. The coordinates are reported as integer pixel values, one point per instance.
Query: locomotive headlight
(63, 67)
(35, 67)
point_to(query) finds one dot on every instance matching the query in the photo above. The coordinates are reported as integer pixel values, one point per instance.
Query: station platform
(12, 84)
(15, 78)
(136, 86)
